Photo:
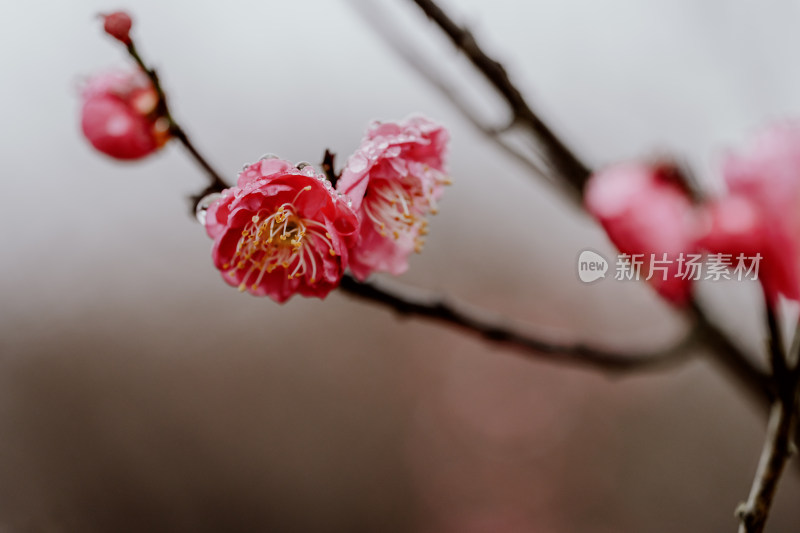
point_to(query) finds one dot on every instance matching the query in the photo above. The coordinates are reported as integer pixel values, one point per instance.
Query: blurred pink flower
(119, 115)
(644, 210)
(394, 180)
(281, 231)
(761, 213)
(118, 25)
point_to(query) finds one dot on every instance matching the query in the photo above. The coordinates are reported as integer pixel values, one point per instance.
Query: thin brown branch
(723, 351)
(495, 330)
(561, 158)
(754, 381)
(779, 443)
(777, 354)
(216, 183)
(405, 49)
(778, 448)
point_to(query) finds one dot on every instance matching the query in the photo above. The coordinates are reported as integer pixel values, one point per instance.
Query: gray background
(138, 392)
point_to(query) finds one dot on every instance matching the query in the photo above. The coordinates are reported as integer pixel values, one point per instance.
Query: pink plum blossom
(281, 230)
(394, 179)
(761, 212)
(119, 115)
(644, 210)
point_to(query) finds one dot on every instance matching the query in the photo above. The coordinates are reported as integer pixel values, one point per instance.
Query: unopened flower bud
(120, 115)
(118, 25)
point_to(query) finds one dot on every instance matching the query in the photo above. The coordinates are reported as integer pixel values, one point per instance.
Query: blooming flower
(118, 25)
(282, 230)
(119, 115)
(394, 179)
(761, 212)
(644, 210)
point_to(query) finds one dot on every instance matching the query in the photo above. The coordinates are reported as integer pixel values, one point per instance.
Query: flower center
(398, 208)
(279, 239)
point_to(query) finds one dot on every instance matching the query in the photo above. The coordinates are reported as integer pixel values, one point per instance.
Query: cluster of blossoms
(284, 229)
(646, 209)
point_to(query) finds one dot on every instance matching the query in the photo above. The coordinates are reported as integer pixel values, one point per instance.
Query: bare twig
(572, 172)
(754, 381)
(563, 161)
(778, 447)
(405, 49)
(494, 330)
(777, 354)
(781, 429)
(216, 184)
(725, 353)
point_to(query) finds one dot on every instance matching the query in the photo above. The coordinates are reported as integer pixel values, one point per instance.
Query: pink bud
(118, 25)
(760, 214)
(119, 115)
(645, 210)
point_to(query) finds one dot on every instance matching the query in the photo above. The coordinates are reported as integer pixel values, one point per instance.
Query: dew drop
(346, 199)
(268, 155)
(203, 205)
(357, 163)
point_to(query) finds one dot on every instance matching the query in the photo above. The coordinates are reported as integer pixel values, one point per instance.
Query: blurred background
(139, 392)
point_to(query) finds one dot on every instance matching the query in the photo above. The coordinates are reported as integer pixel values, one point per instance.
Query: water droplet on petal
(302, 164)
(394, 151)
(357, 163)
(203, 205)
(268, 155)
(346, 199)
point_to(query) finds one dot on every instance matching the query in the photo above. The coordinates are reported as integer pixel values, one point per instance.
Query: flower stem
(217, 184)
